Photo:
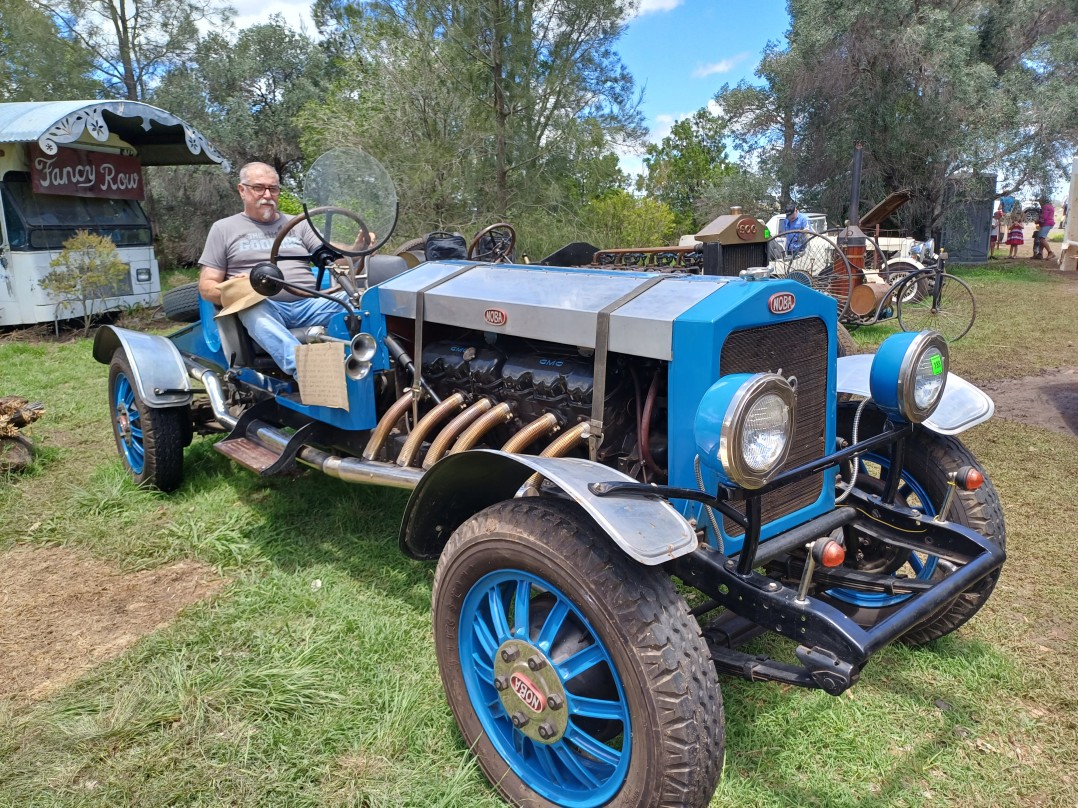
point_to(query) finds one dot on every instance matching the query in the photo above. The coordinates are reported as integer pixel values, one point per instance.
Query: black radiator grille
(736, 257)
(796, 348)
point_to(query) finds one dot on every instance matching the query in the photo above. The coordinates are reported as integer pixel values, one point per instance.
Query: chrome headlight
(909, 373)
(744, 426)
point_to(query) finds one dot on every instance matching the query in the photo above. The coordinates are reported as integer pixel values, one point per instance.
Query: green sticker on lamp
(937, 364)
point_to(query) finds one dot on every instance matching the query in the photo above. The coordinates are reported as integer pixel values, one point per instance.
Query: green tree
(512, 93)
(245, 95)
(87, 271)
(750, 191)
(985, 86)
(134, 42)
(763, 120)
(36, 62)
(246, 91)
(687, 161)
(619, 219)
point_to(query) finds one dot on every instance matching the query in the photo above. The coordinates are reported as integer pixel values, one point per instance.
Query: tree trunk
(501, 116)
(788, 158)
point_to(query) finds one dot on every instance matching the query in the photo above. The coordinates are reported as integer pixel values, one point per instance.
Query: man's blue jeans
(268, 323)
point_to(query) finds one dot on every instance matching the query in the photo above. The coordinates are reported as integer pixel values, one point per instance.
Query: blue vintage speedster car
(623, 477)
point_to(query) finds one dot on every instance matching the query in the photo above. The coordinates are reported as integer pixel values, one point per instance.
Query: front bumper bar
(819, 627)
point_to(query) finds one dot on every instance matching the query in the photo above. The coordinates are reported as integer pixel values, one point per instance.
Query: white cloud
(257, 12)
(722, 66)
(663, 125)
(655, 6)
(663, 122)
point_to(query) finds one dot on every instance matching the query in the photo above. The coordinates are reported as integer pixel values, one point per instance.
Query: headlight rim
(733, 424)
(905, 389)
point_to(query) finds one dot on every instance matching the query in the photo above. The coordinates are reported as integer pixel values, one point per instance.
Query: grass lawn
(310, 678)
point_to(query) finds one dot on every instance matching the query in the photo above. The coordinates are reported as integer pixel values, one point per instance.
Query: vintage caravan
(78, 165)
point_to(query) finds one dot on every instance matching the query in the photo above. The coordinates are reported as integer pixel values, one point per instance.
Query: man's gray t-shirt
(237, 243)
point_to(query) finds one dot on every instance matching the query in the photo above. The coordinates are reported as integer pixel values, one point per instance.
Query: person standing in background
(1014, 234)
(998, 231)
(1007, 203)
(1045, 222)
(794, 220)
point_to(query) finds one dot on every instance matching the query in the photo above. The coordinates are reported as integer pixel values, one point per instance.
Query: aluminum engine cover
(549, 303)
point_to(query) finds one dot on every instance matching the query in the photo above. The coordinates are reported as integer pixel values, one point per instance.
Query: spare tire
(846, 344)
(181, 304)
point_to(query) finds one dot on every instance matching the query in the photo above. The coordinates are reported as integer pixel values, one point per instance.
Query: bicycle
(947, 305)
(919, 296)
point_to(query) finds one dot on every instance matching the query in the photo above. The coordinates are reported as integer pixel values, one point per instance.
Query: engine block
(539, 379)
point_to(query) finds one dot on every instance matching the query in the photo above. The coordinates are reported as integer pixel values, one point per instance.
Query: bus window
(45, 222)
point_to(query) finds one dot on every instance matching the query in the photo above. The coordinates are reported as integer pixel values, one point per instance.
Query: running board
(259, 458)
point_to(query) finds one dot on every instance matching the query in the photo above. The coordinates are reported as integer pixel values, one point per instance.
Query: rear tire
(929, 459)
(846, 344)
(150, 440)
(641, 714)
(182, 303)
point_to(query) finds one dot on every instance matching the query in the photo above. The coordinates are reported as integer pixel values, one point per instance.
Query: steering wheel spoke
(361, 246)
(494, 244)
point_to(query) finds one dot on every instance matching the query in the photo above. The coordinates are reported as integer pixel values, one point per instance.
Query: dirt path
(1049, 400)
(65, 612)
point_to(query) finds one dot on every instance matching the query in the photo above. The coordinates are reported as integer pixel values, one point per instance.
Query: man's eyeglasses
(261, 189)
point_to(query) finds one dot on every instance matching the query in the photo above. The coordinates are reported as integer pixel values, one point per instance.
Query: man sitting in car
(237, 243)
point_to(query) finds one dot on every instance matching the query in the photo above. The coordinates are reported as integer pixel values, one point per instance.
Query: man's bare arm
(208, 279)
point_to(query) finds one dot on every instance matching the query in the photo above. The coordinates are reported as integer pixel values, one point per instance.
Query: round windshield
(351, 201)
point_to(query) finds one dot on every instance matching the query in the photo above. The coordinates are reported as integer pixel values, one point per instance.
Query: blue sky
(682, 51)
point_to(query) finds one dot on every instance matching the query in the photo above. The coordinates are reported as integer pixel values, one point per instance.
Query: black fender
(648, 529)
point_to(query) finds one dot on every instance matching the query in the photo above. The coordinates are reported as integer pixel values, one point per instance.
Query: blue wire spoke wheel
(128, 426)
(929, 458)
(532, 661)
(882, 558)
(149, 440)
(570, 668)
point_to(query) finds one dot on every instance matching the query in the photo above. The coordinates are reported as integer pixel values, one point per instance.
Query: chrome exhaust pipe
(544, 424)
(426, 423)
(441, 442)
(349, 469)
(214, 391)
(355, 470)
(472, 435)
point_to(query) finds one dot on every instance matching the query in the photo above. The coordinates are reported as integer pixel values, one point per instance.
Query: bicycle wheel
(951, 313)
(819, 264)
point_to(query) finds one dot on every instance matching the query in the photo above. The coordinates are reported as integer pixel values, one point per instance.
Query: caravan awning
(161, 138)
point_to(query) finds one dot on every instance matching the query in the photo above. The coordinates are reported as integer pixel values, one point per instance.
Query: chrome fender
(457, 487)
(156, 364)
(964, 405)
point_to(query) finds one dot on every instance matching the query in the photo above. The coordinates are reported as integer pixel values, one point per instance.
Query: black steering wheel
(357, 249)
(501, 238)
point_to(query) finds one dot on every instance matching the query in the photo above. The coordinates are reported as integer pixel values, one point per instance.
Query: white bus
(77, 165)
